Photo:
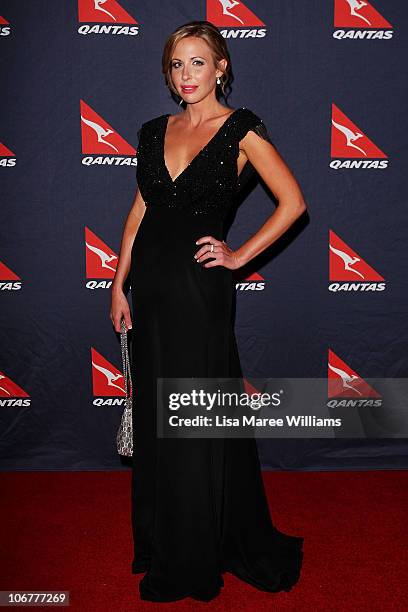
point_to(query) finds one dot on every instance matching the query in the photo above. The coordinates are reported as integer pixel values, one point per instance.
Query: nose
(186, 73)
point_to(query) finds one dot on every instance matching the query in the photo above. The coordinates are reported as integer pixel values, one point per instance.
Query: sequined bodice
(210, 181)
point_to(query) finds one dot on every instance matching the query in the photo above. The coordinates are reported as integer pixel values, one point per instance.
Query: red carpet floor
(71, 531)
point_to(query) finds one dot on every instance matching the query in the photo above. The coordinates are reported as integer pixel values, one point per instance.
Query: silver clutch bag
(124, 436)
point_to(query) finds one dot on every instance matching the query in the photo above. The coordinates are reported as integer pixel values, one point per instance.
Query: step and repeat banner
(327, 300)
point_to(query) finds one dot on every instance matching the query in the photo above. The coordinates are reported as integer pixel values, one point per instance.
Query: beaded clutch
(124, 436)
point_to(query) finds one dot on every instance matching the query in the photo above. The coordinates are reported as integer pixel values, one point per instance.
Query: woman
(198, 505)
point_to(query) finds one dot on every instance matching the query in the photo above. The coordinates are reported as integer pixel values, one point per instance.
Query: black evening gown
(198, 505)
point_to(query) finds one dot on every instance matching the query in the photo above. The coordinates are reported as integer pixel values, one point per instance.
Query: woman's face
(192, 69)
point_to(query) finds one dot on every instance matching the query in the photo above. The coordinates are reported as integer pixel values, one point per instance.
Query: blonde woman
(198, 505)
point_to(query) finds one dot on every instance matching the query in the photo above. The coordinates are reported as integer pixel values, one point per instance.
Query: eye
(176, 64)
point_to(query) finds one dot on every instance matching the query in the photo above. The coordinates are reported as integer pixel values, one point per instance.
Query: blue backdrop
(79, 78)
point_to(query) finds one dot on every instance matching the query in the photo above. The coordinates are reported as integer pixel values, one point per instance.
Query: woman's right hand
(120, 310)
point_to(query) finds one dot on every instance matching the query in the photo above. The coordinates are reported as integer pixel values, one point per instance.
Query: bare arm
(120, 306)
(273, 170)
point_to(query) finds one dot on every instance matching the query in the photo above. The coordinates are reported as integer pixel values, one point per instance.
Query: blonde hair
(216, 42)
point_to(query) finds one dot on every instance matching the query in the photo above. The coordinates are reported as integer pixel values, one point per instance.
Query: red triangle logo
(249, 388)
(356, 14)
(101, 261)
(254, 277)
(6, 273)
(5, 152)
(223, 13)
(102, 11)
(347, 140)
(107, 380)
(344, 382)
(98, 137)
(347, 265)
(3, 21)
(8, 388)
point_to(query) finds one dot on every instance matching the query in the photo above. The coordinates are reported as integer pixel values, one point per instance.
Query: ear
(222, 67)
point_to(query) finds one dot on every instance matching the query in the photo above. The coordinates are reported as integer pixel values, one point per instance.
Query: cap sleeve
(249, 121)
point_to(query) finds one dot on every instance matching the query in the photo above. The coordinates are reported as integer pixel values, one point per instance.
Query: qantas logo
(100, 139)
(11, 394)
(101, 262)
(351, 271)
(107, 382)
(235, 19)
(108, 12)
(253, 282)
(7, 157)
(359, 20)
(349, 141)
(343, 382)
(5, 28)
(9, 281)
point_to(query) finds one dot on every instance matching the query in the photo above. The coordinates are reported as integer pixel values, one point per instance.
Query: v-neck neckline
(164, 132)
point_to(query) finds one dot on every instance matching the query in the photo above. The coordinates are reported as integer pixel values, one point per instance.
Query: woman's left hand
(221, 255)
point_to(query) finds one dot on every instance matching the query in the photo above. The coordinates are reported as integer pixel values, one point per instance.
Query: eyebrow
(194, 57)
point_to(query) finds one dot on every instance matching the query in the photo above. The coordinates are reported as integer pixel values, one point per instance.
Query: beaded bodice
(210, 181)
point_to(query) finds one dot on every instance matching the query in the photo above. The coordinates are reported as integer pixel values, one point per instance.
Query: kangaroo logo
(345, 378)
(357, 14)
(103, 256)
(355, 6)
(226, 6)
(98, 7)
(111, 377)
(99, 257)
(231, 13)
(348, 260)
(99, 137)
(350, 136)
(105, 377)
(347, 265)
(344, 382)
(345, 134)
(100, 132)
(102, 11)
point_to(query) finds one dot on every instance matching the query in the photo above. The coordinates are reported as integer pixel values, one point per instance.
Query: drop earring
(218, 81)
